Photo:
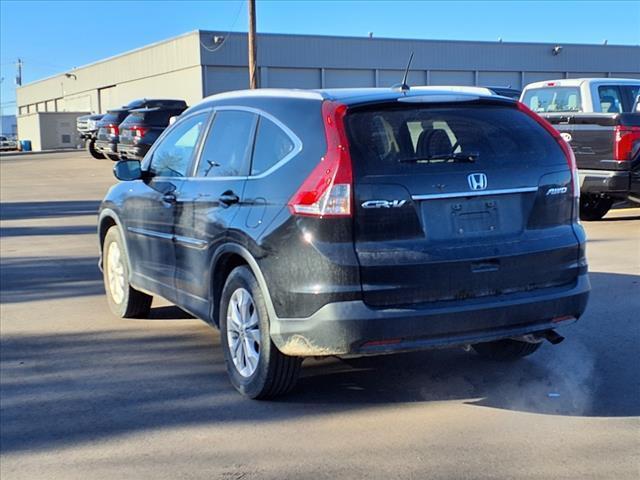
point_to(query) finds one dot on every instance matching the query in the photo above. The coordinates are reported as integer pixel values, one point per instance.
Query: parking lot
(89, 395)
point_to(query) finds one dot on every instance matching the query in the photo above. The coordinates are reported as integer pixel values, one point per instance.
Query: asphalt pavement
(86, 395)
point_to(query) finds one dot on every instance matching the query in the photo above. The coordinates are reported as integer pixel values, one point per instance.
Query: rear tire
(91, 149)
(256, 368)
(505, 350)
(594, 207)
(124, 300)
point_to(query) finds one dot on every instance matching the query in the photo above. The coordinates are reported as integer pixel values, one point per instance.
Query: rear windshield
(115, 116)
(153, 118)
(411, 139)
(553, 99)
(159, 102)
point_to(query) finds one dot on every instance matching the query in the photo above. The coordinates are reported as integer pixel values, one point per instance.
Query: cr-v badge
(477, 181)
(383, 203)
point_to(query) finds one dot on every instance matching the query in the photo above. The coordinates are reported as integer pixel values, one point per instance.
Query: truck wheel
(505, 350)
(124, 300)
(91, 149)
(594, 207)
(255, 366)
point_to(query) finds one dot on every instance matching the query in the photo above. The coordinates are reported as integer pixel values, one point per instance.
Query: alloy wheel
(243, 332)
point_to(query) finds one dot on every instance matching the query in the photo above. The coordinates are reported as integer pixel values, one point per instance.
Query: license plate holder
(475, 217)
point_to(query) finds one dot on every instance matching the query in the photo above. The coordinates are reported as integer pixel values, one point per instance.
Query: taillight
(138, 131)
(624, 140)
(327, 191)
(566, 149)
(113, 129)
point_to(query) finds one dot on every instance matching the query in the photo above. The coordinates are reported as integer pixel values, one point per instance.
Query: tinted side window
(272, 145)
(632, 92)
(610, 99)
(228, 146)
(172, 157)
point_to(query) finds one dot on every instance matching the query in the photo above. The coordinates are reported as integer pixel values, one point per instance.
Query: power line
(224, 39)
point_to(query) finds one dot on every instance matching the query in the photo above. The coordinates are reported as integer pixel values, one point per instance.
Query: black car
(142, 128)
(506, 92)
(108, 134)
(351, 222)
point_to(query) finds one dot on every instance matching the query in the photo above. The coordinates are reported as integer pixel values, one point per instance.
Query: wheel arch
(225, 259)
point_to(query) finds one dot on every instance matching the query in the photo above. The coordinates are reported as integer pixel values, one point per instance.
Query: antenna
(403, 87)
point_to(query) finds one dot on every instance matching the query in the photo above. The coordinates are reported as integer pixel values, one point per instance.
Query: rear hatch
(108, 128)
(146, 123)
(495, 217)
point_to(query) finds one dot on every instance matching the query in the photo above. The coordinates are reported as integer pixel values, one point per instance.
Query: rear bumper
(347, 328)
(132, 152)
(106, 147)
(615, 183)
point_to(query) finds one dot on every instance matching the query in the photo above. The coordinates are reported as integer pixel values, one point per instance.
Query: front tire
(124, 300)
(256, 368)
(505, 350)
(594, 207)
(91, 149)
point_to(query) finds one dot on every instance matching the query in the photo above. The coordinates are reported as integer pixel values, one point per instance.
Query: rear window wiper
(456, 157)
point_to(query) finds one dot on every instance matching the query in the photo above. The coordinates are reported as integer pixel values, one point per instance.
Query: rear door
(432, 230)
(209, 201)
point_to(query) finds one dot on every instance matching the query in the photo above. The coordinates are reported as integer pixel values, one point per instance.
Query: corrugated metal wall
(323, 62)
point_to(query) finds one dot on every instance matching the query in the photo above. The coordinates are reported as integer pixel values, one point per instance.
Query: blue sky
(53, 36)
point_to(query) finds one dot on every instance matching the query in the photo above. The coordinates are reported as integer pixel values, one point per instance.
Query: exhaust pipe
(552, 337)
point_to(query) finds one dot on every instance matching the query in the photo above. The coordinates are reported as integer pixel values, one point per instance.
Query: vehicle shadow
(24, 279)
(66, 208)
(47, 230)
(620, 219)
(61, 389)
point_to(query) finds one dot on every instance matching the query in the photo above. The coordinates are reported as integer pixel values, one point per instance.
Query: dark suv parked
(351, 222)
(142, 128)
(108, 134)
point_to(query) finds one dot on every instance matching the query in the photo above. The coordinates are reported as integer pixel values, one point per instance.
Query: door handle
(169, 198)
(228, 198)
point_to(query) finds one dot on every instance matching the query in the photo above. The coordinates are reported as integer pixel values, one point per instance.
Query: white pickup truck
(7, 144)
(597, 117)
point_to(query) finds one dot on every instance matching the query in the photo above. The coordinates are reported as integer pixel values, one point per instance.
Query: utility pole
(19, 73)
(253, 49)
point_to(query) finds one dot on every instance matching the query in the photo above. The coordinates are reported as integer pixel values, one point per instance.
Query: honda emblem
(477, 181)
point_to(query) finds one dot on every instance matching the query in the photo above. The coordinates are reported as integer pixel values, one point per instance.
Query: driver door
(150, 208)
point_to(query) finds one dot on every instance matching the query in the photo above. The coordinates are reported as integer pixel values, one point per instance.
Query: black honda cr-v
(351, 222)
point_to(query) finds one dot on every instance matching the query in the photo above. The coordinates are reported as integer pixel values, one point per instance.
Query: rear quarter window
(553, 99)
(271, 146)
(403, 140)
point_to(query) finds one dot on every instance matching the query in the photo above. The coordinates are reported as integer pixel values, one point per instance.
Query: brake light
(113, 129)
(551, 84)
(139, 131)
(624, 140)
(327, 191)
(566, 149)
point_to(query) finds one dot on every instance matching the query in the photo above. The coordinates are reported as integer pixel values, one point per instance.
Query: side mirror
(127, 170)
